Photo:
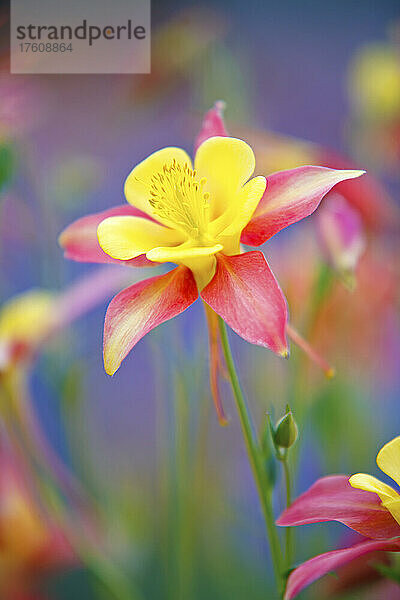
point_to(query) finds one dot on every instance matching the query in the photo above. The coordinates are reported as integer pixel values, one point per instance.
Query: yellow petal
(388, 459)
(27, 317)
(393, 507)
(242, 208)
(138, 182)
(180, 254)
(203, 269)
(226, 163)
(126, 237)
(369, 483)
(200, 260)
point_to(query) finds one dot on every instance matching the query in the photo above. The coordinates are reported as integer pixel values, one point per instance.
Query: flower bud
(286, 431)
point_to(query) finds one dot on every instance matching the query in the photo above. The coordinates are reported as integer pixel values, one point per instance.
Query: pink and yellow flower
(362, 502)
(388, 460)
(196, 216)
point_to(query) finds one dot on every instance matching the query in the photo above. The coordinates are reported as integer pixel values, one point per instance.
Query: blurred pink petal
(290, 196)
(245, 293)
(333, 499)
(341, 234)
(320, 565)
(23, 104)
(88, 292)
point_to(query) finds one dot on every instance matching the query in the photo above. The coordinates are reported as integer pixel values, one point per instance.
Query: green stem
(255, 455)
(182, 509)
(288, 531)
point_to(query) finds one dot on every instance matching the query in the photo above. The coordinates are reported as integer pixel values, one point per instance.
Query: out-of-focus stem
(323, 283)
(254, 454)
(72, 518)
(39, 448)
(183, 475)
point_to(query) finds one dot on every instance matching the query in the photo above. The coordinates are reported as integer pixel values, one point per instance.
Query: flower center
(177, 196)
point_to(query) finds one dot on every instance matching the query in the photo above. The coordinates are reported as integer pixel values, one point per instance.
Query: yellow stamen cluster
(178, 198)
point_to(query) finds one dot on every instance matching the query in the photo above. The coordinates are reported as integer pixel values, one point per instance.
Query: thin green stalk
(254, 453)
(288, 531)
(184, 567)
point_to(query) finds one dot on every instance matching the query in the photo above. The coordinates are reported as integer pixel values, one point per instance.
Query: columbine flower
(362, 502)
(196, 216)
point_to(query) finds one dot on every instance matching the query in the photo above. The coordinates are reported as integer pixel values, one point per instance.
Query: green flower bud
(286, 431)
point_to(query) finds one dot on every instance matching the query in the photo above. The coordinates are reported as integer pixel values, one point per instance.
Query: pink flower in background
(341, 235)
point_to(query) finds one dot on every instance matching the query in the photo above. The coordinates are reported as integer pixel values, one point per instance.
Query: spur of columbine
(362, 502)
(196, 216)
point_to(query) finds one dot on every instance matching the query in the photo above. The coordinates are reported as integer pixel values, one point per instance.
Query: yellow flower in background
(374, 81)
(25, 320)
(388, 460)
(29, 319)
(26, 316)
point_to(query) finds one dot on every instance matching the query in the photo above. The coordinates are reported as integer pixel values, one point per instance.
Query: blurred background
(166, 493)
